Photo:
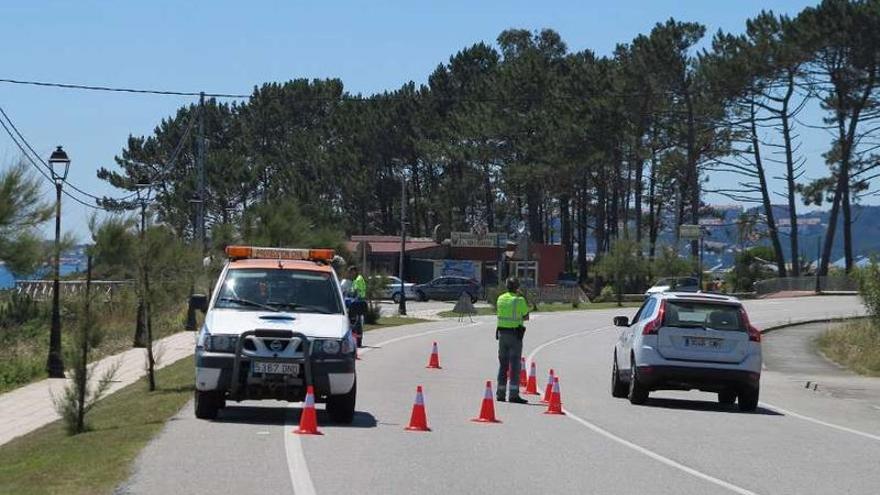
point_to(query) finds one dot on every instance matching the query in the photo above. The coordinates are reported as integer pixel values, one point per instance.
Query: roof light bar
(241, 252)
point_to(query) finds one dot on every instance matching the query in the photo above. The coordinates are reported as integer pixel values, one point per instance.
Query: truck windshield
(302, 291)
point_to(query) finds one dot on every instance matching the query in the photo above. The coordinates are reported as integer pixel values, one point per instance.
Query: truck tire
(748, 399)
(341, 407)
(207, 404)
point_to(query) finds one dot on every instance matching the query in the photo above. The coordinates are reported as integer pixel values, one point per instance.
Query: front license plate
(700, 342)
(275, 368)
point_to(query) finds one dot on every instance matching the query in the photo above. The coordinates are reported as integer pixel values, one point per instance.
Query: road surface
(799, 441)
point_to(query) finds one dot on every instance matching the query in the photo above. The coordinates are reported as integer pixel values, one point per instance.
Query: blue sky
(230, 46)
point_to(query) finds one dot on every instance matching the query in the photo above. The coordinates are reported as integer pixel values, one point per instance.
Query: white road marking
(627, 443)
(820, 422)
(379, 345)
(296, 459)
(658, 457)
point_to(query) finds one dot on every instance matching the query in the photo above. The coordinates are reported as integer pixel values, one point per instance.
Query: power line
(24, 147)
(121, 90)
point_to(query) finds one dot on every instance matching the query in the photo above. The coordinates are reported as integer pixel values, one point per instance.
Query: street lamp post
(59, 163)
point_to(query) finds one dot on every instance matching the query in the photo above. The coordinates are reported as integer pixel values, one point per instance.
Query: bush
(15, 309)
(869, 288)
(607, 294)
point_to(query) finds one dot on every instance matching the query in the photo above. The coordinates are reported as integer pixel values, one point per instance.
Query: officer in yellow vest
(512, 311)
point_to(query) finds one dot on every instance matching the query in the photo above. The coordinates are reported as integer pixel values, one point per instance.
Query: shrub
(869, 288)
(606, 294)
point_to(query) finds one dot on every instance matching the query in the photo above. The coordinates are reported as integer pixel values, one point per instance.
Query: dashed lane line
(297, 468)
(626, 443)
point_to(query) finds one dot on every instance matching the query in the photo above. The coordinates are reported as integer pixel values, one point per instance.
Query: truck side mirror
(621, 321)
(197, 302)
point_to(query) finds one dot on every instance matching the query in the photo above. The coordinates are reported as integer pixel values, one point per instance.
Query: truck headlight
(330, 346)
(221, 343)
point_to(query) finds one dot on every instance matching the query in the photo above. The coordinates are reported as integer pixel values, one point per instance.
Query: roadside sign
(689, 232)
(472, 239)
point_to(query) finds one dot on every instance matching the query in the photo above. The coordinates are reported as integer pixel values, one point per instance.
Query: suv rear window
(703, 315)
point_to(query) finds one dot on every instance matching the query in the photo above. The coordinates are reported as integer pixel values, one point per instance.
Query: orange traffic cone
(418, 421)
(308, 420)
(548, 390)
(434, 362)
(532, 386)
(487, 409)
(555, 406)
(522, 373)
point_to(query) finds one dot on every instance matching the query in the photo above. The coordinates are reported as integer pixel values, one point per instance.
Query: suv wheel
(619, 388)
(341, 407)
(727, 397)
(422, 296)
(748, 399)
(638, 393)
(208, 403)
(396, 297)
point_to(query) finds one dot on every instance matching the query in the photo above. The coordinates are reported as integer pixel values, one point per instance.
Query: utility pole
(200, 167)
(818, 263)
(400, 273)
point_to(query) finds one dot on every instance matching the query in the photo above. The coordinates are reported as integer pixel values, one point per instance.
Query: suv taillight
(754, 333)
(654, 325)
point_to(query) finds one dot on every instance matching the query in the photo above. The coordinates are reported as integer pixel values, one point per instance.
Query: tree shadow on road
(708, 406)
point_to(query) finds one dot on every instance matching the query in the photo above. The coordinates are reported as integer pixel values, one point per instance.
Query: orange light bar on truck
(240, 252)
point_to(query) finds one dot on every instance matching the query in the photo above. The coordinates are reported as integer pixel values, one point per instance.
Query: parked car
(685, 341)
(449, 288)
(391, 290)
(677, 284)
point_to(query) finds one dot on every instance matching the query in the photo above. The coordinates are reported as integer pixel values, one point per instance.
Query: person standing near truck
(512, 310)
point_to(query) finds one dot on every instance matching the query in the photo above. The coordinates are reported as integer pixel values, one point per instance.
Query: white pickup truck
(275, 323)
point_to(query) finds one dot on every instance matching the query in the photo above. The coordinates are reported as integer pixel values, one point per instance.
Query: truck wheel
(341, 407)
(748, 399)
(207, 404)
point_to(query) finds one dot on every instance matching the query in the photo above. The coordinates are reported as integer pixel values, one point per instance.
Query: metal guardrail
(833, 283)
(41, 290)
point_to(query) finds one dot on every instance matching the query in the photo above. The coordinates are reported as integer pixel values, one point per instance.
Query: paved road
(799, 441)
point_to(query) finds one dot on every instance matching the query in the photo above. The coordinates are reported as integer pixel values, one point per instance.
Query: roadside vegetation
(48, 460)
(856, 344)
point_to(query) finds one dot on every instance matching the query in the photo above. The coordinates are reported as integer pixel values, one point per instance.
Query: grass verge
(47, 460)
(393, 321)
(854, 344)
(552, 308)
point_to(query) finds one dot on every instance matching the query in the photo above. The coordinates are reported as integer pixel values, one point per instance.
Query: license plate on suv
(701, 342)
(275, 368)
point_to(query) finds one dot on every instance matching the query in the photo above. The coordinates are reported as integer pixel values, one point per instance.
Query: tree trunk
(790, 180)
(765, 195)
(565, 220)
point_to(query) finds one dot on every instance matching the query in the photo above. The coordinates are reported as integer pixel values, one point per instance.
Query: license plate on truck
(275, 368)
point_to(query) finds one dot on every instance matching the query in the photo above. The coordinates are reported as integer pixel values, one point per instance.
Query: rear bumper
(688, 378)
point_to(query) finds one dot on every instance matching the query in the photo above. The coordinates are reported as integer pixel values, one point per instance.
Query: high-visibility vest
(359, 287)
(511, 309)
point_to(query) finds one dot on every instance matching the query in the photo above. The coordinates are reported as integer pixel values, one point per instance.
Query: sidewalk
(27, 408)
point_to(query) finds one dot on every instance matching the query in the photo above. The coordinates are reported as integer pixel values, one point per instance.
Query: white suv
(685, 341)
